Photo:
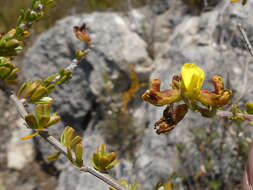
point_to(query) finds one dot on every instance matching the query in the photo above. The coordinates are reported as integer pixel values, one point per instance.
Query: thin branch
(53, 141)
(103, 176)
(246, 39)
(245, 79)
(230, 114)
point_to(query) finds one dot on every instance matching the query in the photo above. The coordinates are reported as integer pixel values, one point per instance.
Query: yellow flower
(192, 80)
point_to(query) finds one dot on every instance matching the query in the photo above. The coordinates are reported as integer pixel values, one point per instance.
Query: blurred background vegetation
(10, 9)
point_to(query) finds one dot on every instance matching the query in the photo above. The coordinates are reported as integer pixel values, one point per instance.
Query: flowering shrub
(187, 88)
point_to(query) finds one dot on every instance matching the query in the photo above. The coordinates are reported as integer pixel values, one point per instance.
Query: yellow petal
(193, 78)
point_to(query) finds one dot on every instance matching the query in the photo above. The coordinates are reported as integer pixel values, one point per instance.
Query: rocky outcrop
(210, 39)
(115, 48)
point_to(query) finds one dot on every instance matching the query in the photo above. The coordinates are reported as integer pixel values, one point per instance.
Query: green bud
(249, 108)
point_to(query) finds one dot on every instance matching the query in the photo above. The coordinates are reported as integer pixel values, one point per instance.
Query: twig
(103, 176)
(246, 39)
(53, 141)
(245, 79)
(230, 114)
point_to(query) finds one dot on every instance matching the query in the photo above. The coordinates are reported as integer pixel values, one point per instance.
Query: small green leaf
(69, 153)
(13, 43)
(54, 156)
(12, 75)
(4, 71)
(101, 149)
(75, 141)
(112, 164)
(50, 88)
(44, 100)
(55, 118)
(39, 93)
(79, 154)
(31, 121)
(69, 135)
(31, 87)
(63, 135)
(43, 121)
(111, 156)
(94, 164)
(42, 110)
(48, 80)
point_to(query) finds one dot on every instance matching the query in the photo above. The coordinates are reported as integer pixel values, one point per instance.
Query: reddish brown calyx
(171, 117)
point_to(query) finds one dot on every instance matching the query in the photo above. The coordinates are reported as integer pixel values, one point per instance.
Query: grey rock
(194, 39)
(20, 153)
(115, 47)
(206, 40)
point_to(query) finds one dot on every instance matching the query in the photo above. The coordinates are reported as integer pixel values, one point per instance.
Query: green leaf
(75, 141)
(94, 164)
(39, 93)
(79, 154)
(32, 121)
(50, 88)
(111, 156)
(69, 153)
(101, 150)
(48, 80)
(4, 71)
(31, 87)
(112, 164)
(54, 156)
(69, 135)
(21, 89)
(55, 118)
(44, 100)
(42, 110)
(63, 135)
(12, 75)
